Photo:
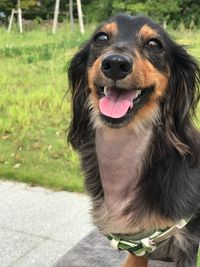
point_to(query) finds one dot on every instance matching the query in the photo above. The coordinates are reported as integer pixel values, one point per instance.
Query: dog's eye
(154, 44)
(101, 39)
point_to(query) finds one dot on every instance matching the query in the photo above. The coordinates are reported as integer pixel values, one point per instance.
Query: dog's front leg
(133, 261)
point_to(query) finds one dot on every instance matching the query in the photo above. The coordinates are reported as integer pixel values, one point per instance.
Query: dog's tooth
(105, 90)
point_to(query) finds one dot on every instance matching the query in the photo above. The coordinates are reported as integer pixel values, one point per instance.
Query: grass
(35, 110)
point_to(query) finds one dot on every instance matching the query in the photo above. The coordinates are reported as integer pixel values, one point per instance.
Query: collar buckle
(145, 245)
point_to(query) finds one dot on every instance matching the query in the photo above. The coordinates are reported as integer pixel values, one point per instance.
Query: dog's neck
(120, 154)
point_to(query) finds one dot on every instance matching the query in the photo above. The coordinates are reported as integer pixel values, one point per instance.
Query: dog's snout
(116, 66)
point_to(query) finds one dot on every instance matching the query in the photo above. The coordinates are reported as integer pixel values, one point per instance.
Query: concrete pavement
(38, 226)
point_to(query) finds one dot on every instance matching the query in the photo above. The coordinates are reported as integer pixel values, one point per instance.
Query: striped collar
(140, 246)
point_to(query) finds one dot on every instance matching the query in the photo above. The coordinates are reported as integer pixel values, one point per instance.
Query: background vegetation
(171, 12)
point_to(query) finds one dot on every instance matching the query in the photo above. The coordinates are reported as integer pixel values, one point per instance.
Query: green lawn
(35, 110)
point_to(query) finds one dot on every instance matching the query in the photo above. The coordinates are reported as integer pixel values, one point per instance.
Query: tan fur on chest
(121, 155)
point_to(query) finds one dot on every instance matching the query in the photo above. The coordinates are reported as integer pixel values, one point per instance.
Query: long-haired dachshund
(134, 94)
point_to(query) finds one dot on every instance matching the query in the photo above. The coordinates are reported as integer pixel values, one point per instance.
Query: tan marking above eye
(147, 32)
(110, 28)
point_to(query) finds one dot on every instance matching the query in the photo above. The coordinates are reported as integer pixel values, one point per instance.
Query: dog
(134, 96)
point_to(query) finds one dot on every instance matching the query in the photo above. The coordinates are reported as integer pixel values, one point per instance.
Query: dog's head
(131, 74)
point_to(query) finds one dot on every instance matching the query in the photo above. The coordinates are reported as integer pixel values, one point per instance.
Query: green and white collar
(141, 246)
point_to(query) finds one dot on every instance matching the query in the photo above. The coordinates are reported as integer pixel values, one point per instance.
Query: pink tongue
(116, 103)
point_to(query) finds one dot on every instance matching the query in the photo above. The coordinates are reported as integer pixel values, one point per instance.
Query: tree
(7, 5)
(27, 4)
(189, 12)
(160, 10)
(97, 10)
(172, 12)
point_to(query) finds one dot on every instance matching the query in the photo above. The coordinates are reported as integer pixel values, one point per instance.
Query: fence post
(71, 15)
(20, 20)
(80, 16)
(55, 20)
(11, 20)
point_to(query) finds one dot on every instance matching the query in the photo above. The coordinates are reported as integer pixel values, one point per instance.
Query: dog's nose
(116, 66)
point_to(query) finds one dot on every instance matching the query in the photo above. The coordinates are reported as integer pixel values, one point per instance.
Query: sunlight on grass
(34, 110)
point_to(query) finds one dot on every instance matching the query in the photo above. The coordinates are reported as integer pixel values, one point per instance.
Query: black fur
(170, 183)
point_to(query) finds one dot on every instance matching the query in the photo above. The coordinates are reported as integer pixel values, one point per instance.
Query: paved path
(38, 226)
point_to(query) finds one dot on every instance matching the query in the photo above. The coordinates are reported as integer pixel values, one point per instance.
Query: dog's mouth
(118, 106)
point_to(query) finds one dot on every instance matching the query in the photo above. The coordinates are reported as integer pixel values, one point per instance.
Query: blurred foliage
(171, 12)
(158, 10)
(7, 5)
(32, 9)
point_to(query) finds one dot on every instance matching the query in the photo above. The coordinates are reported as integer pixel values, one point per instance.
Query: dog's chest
(121, 154)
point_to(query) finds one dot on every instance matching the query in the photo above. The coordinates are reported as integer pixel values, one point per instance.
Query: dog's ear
(181, 101)
(77, 76)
